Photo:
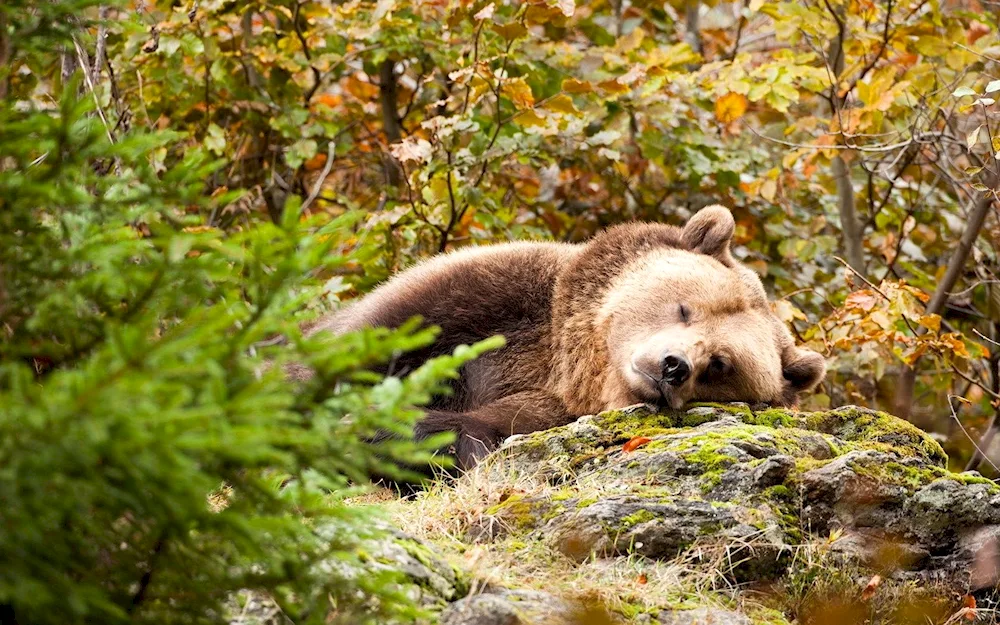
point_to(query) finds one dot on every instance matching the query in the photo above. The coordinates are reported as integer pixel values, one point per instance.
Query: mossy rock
(802, 503)
(730, 478)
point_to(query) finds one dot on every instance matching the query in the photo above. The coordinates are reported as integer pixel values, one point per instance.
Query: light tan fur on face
(729, 318)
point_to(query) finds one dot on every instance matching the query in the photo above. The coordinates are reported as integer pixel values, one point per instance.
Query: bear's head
(686, 322)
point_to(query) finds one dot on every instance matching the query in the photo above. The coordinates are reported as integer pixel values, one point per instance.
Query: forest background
(181, 182)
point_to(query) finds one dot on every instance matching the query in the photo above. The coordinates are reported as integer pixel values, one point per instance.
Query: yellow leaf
(572, 85)
(541, 14)
(510, 31)
(768, 190)
(612, 86)
(730, 107)
(931, 322)
(561, 104)
(519, 93)
(630, 42)
(787, 311)
(528, 118)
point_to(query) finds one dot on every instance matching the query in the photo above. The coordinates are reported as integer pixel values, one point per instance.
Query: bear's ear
(710, 231)
(802, 369)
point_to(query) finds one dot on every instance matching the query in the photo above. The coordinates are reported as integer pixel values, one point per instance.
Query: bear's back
(470, 294)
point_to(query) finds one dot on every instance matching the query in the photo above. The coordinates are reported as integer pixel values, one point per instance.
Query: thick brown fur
(587, 327)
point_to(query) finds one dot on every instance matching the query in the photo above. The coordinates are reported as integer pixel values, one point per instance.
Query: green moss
(970, 478)
(776, 418)
(624, 425)
(738, 410)
(553, 512)
(709, 480)
(760, 615)
(516, 510)
(562, 494)
(914, 478)
(588, 501)
(636, 518)
(460, 580)
(778, 492)
(862, 425)
(910, 478)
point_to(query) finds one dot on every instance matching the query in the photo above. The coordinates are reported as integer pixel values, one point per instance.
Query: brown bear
(641, 313)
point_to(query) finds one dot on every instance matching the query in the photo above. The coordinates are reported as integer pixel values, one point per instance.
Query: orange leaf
(969, 607)
(976, 30)
(872, 586)
(642, 578)
(315, 162)
(328, 99)
(635, 443)
(730, 107)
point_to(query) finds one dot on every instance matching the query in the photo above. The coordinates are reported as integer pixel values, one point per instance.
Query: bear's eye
(685, 313)
(716, 369)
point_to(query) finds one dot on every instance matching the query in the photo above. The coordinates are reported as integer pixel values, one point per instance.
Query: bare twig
(317, 75)
(101, 49)
(82, 57)
(954, 415)
(318, 187)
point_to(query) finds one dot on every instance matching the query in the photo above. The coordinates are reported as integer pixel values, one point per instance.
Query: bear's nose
(676, 369)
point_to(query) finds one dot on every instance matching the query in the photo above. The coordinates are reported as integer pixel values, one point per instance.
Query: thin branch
(739, 31)
(318, 187)
(317, 75)
(984, 337)
(82, 57)
(954, 415)
(147, 575)
(101, 49)
(889, 147)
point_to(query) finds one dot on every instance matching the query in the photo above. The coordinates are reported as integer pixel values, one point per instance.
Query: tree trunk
(6, 52)
(849, 225)
(691, 21)
(390, 118)
(956, 266)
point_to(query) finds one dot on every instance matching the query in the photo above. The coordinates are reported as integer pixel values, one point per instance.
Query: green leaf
(215, 139)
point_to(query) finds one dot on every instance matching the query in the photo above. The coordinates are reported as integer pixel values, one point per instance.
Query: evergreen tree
(154, 459)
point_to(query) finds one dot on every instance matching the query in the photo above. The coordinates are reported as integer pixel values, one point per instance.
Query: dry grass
(628, 585)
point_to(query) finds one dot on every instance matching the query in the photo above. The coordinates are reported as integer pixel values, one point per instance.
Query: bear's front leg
(481, 430)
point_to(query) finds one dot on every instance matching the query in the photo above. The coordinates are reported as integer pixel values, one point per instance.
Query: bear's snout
(675, 368)
(662, 377)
